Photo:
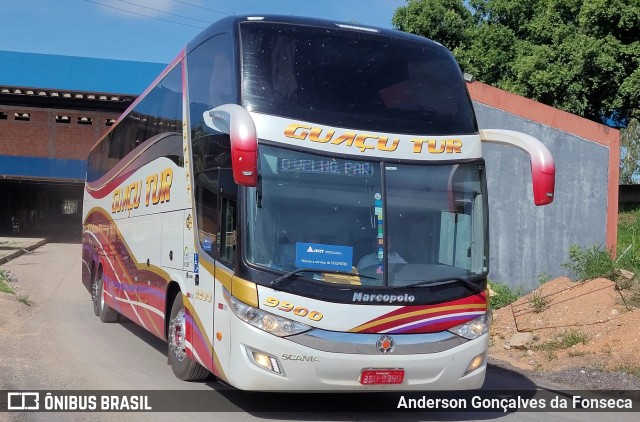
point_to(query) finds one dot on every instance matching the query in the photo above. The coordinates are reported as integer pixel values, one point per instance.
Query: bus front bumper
(260, 361)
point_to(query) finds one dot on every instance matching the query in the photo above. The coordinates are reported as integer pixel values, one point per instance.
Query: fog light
(262, 360)
(475, 363)
(265, 361)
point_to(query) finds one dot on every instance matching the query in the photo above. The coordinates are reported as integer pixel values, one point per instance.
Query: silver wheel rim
(177, 330)
(94, 291)
(101, 295)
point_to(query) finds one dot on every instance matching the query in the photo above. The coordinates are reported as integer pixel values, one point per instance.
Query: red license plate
(381, 376)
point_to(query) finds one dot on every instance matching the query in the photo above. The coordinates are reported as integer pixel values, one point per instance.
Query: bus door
(215, 199)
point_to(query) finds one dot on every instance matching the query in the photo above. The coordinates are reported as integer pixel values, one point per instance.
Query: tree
(446, 21)
(630, 153)
(582, 56)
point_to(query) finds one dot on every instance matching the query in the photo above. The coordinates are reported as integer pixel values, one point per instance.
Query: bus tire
(107, 314)
(183, 367)
(95, 293)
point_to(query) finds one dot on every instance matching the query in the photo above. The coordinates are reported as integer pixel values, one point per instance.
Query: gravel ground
(581, 379)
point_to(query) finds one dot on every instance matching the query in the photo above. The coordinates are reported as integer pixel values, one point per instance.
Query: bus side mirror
(543, 169)
(235, 121)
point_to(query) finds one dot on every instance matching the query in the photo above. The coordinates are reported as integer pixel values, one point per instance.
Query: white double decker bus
(297, 204)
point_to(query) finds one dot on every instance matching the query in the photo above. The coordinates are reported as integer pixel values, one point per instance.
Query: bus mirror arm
(543, 169)
(235, 121)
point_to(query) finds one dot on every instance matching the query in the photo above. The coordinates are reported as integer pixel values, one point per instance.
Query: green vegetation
(589, 263)
(6, 288)
(581, 56)
(630, 153)
(25, 300)
(571, 338)
(629, 254)
(630, 370)
(543, 278)
(564, 340)
(629, 238)
(537, 301)
(504, 295)
(4, 285)
(594, 262)
(597, 261)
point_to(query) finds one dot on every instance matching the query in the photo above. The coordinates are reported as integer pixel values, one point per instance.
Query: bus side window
(212, 81)
(206, 187)
(228, 208)
(216, 199)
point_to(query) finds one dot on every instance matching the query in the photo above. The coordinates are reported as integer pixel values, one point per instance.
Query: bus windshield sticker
(196, 263)
(324, 257)
(379, 221)
(207, 243)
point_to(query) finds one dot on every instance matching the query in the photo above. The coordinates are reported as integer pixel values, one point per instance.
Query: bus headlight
(474, 328)
(266, 321)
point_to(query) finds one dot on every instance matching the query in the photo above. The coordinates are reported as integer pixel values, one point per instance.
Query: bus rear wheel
(106, 313)
(183, 367)
(95, 294)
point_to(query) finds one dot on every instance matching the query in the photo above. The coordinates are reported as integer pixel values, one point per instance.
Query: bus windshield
(353, 79)
(387, 224)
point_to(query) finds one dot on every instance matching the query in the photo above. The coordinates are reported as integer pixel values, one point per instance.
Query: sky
(117, 29)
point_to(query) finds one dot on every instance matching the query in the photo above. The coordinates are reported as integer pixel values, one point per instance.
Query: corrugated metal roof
(76, 73)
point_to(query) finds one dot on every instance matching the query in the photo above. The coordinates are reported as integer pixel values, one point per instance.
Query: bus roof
(228, 24)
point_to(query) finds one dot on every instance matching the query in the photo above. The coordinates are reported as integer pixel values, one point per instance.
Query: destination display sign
(325, 166)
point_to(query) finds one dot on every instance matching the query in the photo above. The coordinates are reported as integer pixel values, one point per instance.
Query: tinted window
(215, 196)
(207, 211)
(211, 72)
(353, 79)
(159, 112)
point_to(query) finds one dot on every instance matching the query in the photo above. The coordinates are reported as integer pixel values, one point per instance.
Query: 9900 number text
(296, 310)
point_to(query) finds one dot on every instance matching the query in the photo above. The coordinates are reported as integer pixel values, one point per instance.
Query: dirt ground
(13, 312)
(568, 329)
(591, 312)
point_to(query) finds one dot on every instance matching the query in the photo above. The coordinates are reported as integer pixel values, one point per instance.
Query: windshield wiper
(446, 280)
(274, 283)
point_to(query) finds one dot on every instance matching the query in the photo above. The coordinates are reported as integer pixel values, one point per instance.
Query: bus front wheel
(183, 367)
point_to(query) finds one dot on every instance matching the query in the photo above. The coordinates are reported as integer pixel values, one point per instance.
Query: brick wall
(42, 136)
